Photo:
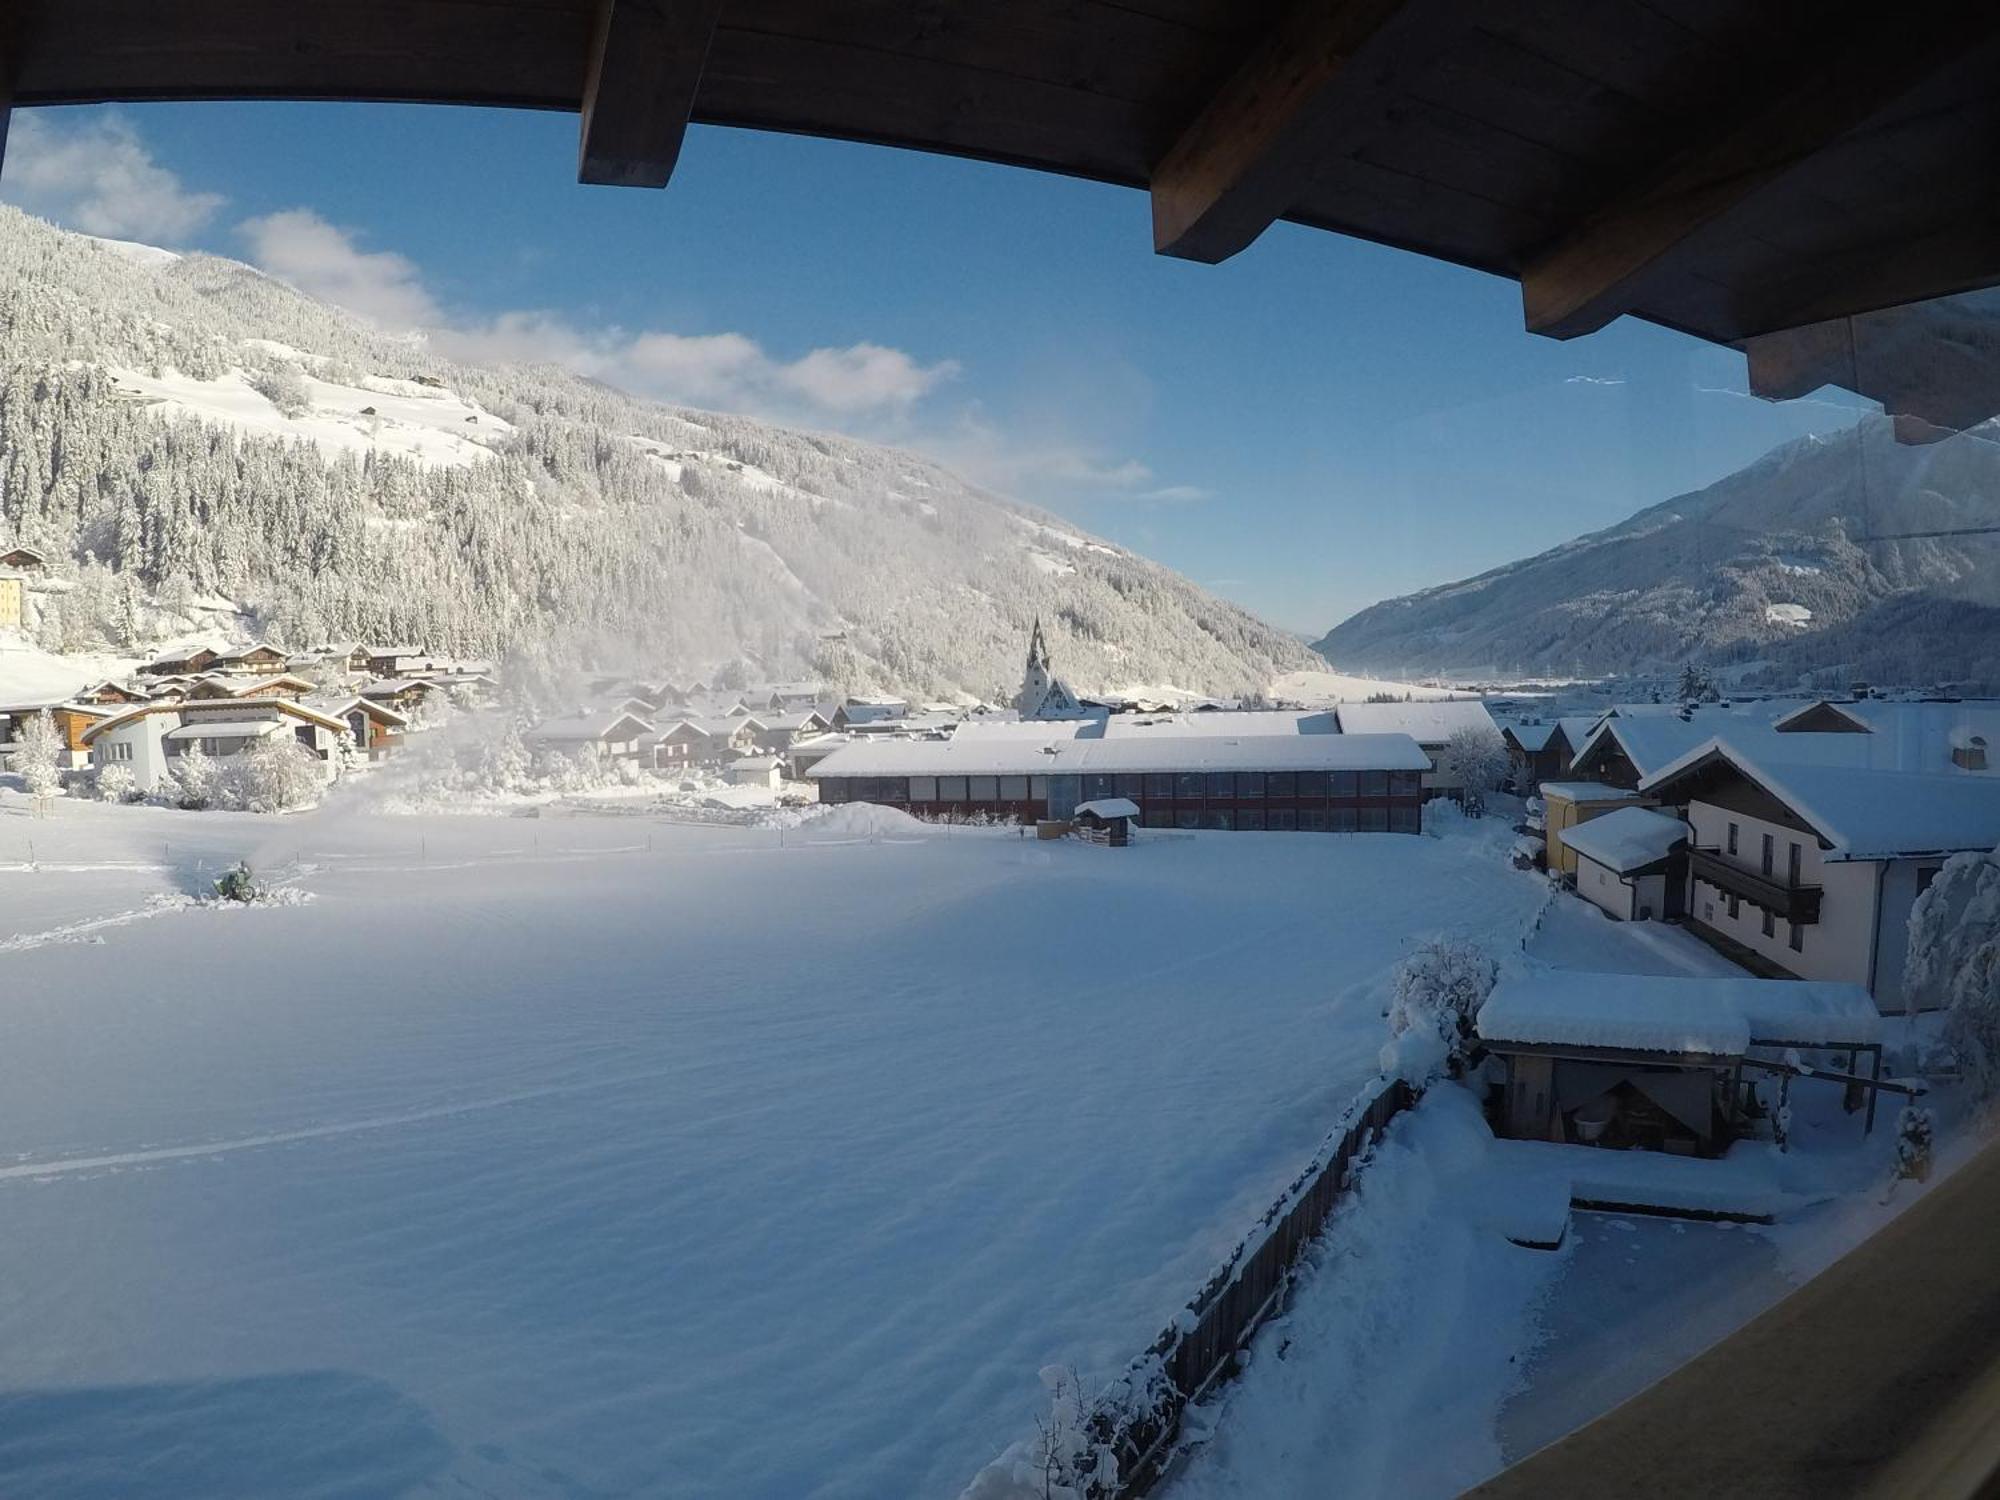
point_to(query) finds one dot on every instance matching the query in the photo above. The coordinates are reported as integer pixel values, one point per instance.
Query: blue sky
(1317, 424)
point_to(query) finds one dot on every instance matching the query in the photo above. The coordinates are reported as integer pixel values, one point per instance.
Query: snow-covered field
(587, 1156)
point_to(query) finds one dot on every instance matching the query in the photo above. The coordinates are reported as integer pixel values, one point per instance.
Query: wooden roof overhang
(1729, 168)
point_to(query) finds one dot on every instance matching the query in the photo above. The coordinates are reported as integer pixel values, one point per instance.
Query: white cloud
(320, 259)
(1018, 462)
(1592, 380)
(97, 175)
(725, 370)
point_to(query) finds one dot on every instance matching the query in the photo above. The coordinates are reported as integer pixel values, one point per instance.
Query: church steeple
(1043, 695)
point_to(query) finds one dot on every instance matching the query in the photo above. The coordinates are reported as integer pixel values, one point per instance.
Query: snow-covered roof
(222, 729)
(1062, 755)
(1429, 722)
(580, 728)
(1218, 722)
(1626, 839)
(1109, 807)
(1587, 791)
(1860, 812)
(1532, 738)
(1653, 1013)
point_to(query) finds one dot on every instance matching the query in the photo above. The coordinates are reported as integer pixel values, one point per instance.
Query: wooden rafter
(1599, 270)
(1249, 155)
(646, 60)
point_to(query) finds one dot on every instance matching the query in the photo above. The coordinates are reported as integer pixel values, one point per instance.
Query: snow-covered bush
(1954, 962)
(280, 773)
(1478, 758)
(39, 756)
(1438, 990)
(195, 779)
(116, 783)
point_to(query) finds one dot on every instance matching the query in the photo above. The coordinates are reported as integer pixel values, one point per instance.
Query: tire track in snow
(80, 932)
(62, 1166)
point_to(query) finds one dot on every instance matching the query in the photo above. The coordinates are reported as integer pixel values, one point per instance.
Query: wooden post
(1875, 1092)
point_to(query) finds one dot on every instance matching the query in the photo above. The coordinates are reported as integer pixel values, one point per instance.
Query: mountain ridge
(1797, 567)
(175, 427)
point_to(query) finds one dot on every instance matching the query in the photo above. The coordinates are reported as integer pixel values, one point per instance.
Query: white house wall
(1838, 946)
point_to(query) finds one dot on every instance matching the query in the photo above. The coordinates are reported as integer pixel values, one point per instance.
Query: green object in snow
(237, 885)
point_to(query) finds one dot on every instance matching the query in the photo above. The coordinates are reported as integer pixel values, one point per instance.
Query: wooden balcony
(1794, 903)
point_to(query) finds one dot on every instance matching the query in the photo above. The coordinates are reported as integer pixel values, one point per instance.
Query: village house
(676, 747)
(1543, 752)
(71, 720)
(191, 662)
(254, 661)
(1287, 782)
(376, 729)
(149, 739)
(1631, 863)
(612, 735)
(1430, 722)
(108, 692)
(13, 598)
(773, 731)
(1626, 1061)
(860, 711)
(1805, 858)
(279, 685)
(404, 694)
(24, 559)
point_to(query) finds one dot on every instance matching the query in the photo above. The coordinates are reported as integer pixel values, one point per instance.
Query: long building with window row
(1320, 783)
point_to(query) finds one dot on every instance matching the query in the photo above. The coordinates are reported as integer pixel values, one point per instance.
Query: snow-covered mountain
(1779, 569)
(183, 431)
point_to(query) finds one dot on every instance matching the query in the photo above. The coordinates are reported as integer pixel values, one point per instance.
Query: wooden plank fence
(1141, 1422)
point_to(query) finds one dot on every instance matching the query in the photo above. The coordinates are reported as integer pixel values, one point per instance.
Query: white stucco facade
(1861, 936)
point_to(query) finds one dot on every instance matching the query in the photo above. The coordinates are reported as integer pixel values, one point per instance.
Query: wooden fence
(1198, 1351)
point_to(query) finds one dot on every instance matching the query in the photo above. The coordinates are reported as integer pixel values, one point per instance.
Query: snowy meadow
(574, 1156)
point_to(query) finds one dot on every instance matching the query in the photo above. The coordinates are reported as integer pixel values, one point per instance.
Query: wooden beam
(1597, 272)
(646, 60)
(1249, 156)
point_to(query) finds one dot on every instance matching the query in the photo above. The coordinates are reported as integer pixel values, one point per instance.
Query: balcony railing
(1795, 903)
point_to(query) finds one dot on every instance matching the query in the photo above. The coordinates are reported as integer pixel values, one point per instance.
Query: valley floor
(567, 1156)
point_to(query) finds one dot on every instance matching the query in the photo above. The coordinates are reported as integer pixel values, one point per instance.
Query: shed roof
(1109, 807)
(1719, 1017)
(1627, 839)
(1587, 791)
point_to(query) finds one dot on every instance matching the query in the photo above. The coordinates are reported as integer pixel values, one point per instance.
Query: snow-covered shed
(1626, 863)
(1625, 1060)
(1110, 818)
(756, 770)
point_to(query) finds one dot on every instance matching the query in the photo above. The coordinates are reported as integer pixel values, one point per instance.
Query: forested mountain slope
(181, 431)
(1800, 564)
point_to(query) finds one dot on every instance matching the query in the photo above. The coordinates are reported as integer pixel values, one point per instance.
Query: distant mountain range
(191, 439)
(1802, 566)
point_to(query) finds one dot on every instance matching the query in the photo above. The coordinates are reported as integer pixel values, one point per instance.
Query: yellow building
(10, 602)
(1567, 803)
